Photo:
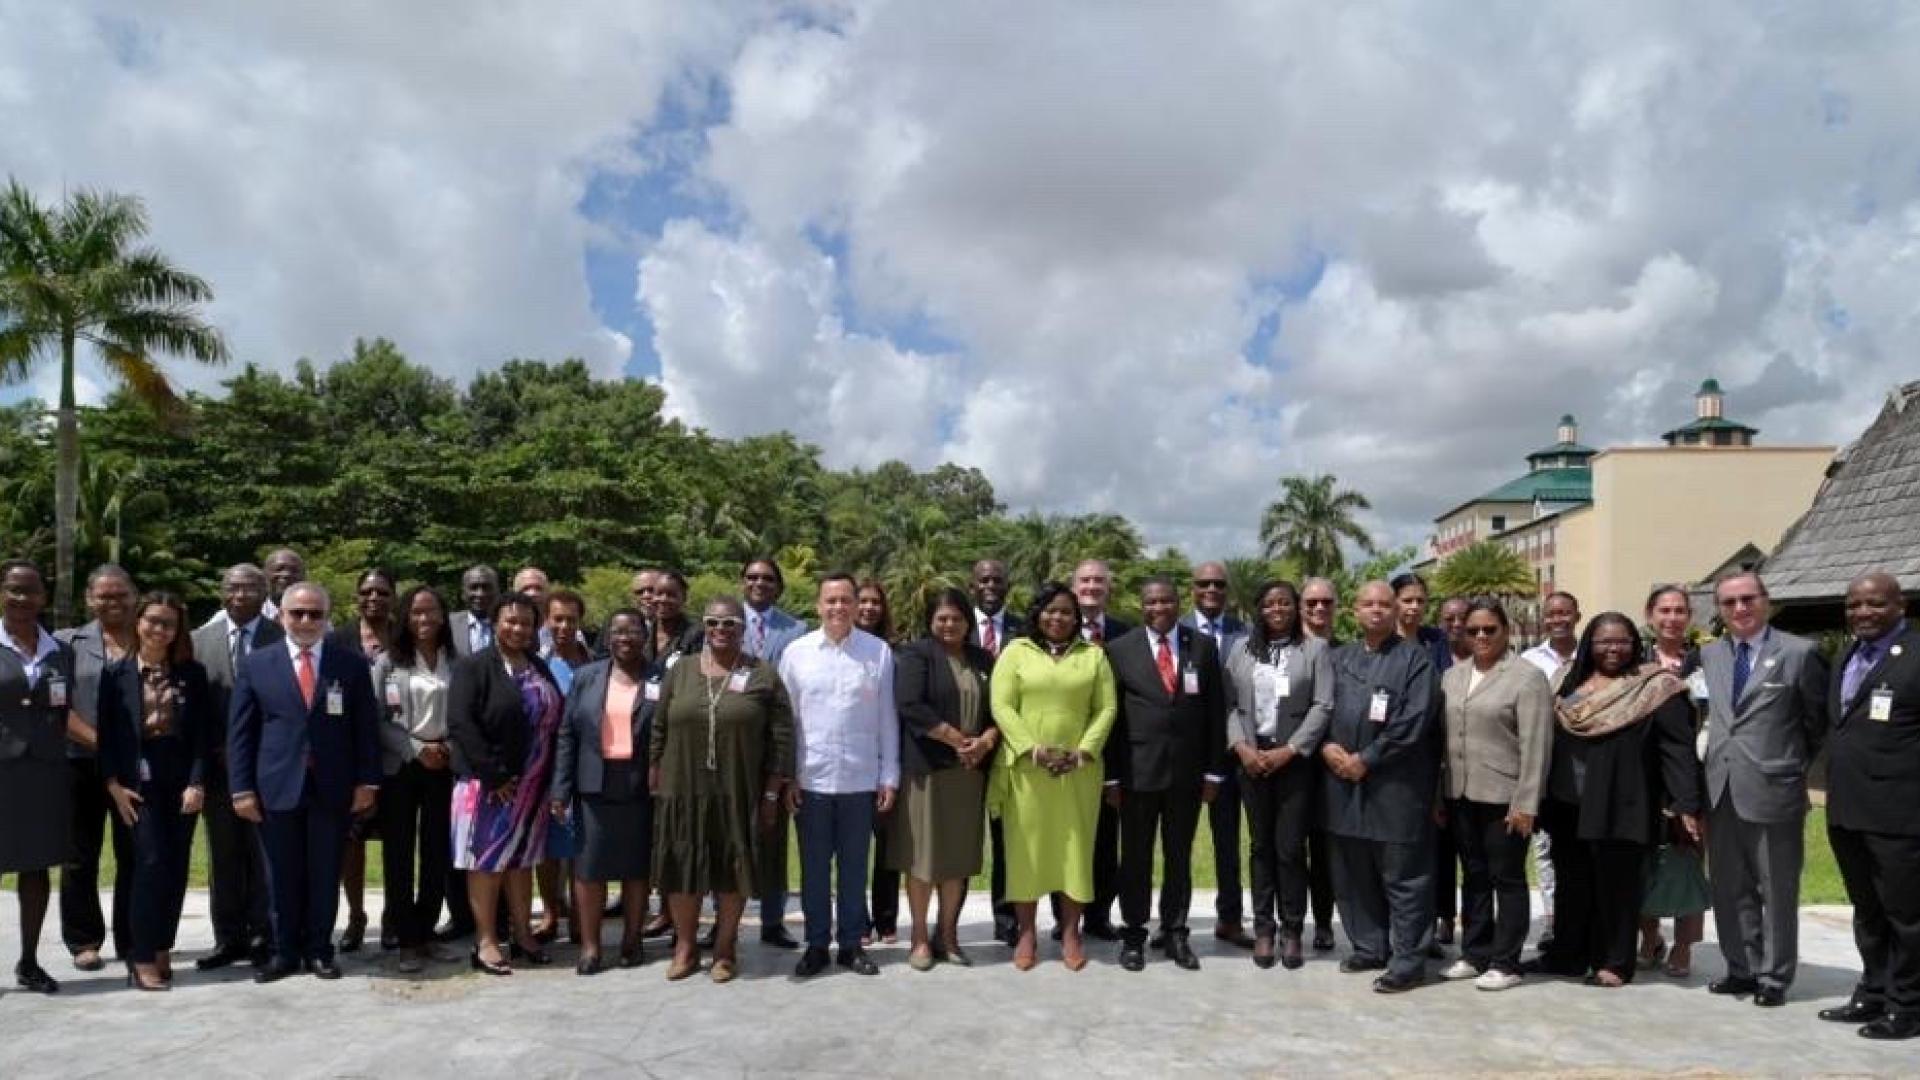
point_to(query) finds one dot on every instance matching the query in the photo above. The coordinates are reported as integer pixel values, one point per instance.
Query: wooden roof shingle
(1866, 515)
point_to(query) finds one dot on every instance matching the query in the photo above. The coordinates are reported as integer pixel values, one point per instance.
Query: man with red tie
(994, 628)
(304, 757)
(1165, 757)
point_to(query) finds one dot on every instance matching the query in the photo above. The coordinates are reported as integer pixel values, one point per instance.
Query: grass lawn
(1819, 882)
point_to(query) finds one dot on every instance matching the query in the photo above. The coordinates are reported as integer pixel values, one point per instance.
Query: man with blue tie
(1766, 715)
(767, 634)
(304, 757)
(1210, 617)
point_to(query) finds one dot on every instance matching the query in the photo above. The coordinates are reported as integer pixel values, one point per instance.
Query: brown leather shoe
(1233, 934)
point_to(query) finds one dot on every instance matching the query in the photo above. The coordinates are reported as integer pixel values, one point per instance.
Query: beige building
(1608, 525)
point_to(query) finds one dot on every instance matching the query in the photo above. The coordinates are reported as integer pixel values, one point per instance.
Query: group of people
(1402, 776)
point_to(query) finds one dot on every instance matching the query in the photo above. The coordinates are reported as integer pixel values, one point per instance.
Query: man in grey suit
(1209, 616)
(241, 929)
(1766, 714)
(472, 630)
(767, 634)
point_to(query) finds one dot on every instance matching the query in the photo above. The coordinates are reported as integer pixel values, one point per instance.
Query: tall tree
(1488, 568)
(1307, 524)
(76, 274)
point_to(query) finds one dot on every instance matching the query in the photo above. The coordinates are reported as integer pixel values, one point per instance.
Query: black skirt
(616, 827)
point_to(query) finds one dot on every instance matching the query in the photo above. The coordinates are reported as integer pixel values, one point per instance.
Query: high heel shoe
(356, 932)
(135, 981)
(480, 963)
(536, 956)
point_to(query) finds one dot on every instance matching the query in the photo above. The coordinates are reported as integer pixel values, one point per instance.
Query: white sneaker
(1460, 969)
(1495, 979)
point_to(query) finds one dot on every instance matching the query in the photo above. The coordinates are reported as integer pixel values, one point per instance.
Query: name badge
(393, 691)
(1190, 681)
(336, 700)
(56, 691)
(1377, 707)
(737, 682)
(146, 772)
(652, 690)
(1282, 685)
(1880, 706)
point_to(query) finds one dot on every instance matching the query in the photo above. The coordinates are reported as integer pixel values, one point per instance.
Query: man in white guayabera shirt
(848, 752)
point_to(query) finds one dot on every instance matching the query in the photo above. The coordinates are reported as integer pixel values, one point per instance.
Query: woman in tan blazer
(1499, 731)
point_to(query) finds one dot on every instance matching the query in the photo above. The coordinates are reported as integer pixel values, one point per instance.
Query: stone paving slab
(1229, 1018)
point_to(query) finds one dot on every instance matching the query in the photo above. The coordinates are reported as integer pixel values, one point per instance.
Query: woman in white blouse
(417, 795)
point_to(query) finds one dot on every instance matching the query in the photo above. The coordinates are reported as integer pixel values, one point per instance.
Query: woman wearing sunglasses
(1499, 732)
(719, 759)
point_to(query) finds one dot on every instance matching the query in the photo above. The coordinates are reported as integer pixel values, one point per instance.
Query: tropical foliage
(1486, 568)
(1310, 521)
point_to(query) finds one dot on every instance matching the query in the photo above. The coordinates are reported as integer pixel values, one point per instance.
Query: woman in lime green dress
(1053, 700)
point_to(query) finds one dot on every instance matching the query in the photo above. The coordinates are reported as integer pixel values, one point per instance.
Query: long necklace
(716, 689)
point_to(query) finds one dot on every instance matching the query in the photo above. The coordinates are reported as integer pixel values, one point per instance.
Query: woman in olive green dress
(1053, 701)
(720, 756)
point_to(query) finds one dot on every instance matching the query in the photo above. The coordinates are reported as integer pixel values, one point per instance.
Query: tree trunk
(66, 488)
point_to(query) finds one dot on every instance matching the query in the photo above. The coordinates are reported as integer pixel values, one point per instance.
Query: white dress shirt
(846, 731)
(44, 646)
(1544, 657)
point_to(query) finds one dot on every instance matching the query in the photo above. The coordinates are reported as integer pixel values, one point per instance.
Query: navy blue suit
(303, 761)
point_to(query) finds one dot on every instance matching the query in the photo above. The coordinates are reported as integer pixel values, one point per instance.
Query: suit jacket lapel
(1874, 675)
(1764, 651)
(1720, 675)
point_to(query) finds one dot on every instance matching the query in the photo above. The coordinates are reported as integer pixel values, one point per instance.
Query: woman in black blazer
(503, 713)
(605, 732)
(940, 691)
(36, 677)
(156, 729)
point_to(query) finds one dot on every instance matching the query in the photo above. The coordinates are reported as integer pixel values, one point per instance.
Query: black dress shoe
(1100, 931)
(1771, 997)
(1158, 940)
(34, 978)
(776, 936)
(536, 956)
(1290, 957)
(274, 970)
(1892, 1028)
(1323, 939)
(1132, 956)
(324, 969)
(1353, 965)
(1395, 984)
(1182, 953)
(1733, 984)
(632, 956)
(858, 962)
(812, 962)
(1853, 1012)
(1006, 931)
(224, 956)
(1263, 956)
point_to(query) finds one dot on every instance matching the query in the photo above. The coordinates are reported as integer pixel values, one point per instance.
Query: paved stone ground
(1229, 1018)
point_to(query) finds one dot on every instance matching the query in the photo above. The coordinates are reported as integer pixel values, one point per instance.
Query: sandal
(1675, 968)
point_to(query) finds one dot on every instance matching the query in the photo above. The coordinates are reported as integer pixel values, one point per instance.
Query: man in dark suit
(1092, 586)
(1383, 764)
(993, 628)
(1209, 616)
(1164, 757)
(1873, 787)
(241, 929)
(304, 758)
(472, 630)
(1766, 715)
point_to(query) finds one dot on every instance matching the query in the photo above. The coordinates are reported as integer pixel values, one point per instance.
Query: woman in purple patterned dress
(503, 712)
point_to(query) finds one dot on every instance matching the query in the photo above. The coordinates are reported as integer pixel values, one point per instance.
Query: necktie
(989, 640)
(1742, 668)
(759, 635)
(306, 677)
(1864, 657)
(234, 651)
(1096, 631)
(1163, 659)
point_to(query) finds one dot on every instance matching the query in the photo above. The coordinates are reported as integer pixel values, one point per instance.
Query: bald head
(1374, 610)
(1874, 605)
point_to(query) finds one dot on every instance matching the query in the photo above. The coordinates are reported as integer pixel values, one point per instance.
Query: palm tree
(1305, 527)
(74, 274)
(1488, 568)
(1244, 578)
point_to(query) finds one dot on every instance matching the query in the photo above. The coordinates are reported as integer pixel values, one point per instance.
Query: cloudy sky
(1140, 257)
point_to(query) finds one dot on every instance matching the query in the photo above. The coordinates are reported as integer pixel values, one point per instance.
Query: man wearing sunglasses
(1211, 618)
(305, 759)
(1766, 714)
(1318, 601)
(767, 633)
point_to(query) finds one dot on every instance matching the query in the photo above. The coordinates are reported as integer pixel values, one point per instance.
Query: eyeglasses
(376, 591)
(726, 623)
(761, 577)
(1316, 603)
(1209, 583)
(305, 613)
(1482, 631)
(1743, 600)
